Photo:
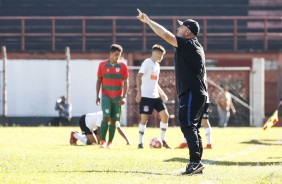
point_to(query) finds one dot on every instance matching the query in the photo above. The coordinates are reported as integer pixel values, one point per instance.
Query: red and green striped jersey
(112, 76)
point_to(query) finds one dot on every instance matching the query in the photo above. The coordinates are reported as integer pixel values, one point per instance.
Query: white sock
(80, 137)
(208, 135)
(163, 127)
(184, 140)
(142, 129)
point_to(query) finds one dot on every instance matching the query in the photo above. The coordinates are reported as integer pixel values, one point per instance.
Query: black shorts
(84, 129)
(206, 111)
(147, 105)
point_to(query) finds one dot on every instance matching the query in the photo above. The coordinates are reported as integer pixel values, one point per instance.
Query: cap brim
(180, 22)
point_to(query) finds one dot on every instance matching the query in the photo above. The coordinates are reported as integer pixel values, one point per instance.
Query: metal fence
(236, 78)
(234, 33)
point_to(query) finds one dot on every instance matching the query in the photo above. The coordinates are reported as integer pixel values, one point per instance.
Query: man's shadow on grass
(119, 171)
(226, 163)
(267, 142)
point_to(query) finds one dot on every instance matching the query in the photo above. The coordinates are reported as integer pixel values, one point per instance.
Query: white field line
(233, 155)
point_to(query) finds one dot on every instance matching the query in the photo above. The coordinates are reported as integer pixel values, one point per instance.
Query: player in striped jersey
(113, 83)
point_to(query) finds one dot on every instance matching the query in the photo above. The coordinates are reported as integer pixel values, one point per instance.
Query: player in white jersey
(90, 126)
(150, 95)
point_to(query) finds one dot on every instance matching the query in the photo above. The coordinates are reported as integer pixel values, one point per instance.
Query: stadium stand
(51, 25)
(122, 8)
(231, 31)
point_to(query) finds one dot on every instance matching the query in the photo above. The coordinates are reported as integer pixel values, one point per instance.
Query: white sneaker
(103, 144)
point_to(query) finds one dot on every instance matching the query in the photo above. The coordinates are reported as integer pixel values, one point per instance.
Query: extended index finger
(139, 11)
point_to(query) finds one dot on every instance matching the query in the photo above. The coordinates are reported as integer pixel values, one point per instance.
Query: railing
(97, 33)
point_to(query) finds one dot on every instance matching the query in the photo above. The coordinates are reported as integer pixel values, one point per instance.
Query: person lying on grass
(90, 124)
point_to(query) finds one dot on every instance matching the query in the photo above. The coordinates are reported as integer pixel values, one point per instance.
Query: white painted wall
(34, 85)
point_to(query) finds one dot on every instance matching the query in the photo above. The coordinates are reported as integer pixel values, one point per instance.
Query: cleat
(140, 146)
(73, 140)
(103, 144)
(194, 168)
(209, 146)
(182, 146)
(166, 145)
(109, 145)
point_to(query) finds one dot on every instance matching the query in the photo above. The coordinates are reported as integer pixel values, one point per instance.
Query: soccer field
(43, 155)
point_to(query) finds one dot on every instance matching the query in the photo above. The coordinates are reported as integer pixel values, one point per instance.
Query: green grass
(43, 155)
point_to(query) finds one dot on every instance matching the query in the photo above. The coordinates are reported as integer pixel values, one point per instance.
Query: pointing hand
(142, 16)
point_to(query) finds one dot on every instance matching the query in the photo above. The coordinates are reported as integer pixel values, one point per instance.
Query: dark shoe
(194, 168)
(140, 146)
(166, 145)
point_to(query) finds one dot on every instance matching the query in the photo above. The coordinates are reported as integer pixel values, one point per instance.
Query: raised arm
(158, 29)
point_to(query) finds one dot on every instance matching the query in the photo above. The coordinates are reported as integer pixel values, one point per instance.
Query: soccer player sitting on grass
(90, 126)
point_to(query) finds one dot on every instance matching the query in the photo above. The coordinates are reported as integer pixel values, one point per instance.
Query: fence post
(4, 100)
(68, 76)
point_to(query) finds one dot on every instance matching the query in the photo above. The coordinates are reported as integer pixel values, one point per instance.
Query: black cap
(192, 25)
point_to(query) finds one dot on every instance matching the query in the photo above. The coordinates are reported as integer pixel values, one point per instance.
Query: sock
(142, 129)
(112, 130)
(208, 135)
(163, 127)
(184, 140)
(81, 137)
(104, 129)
